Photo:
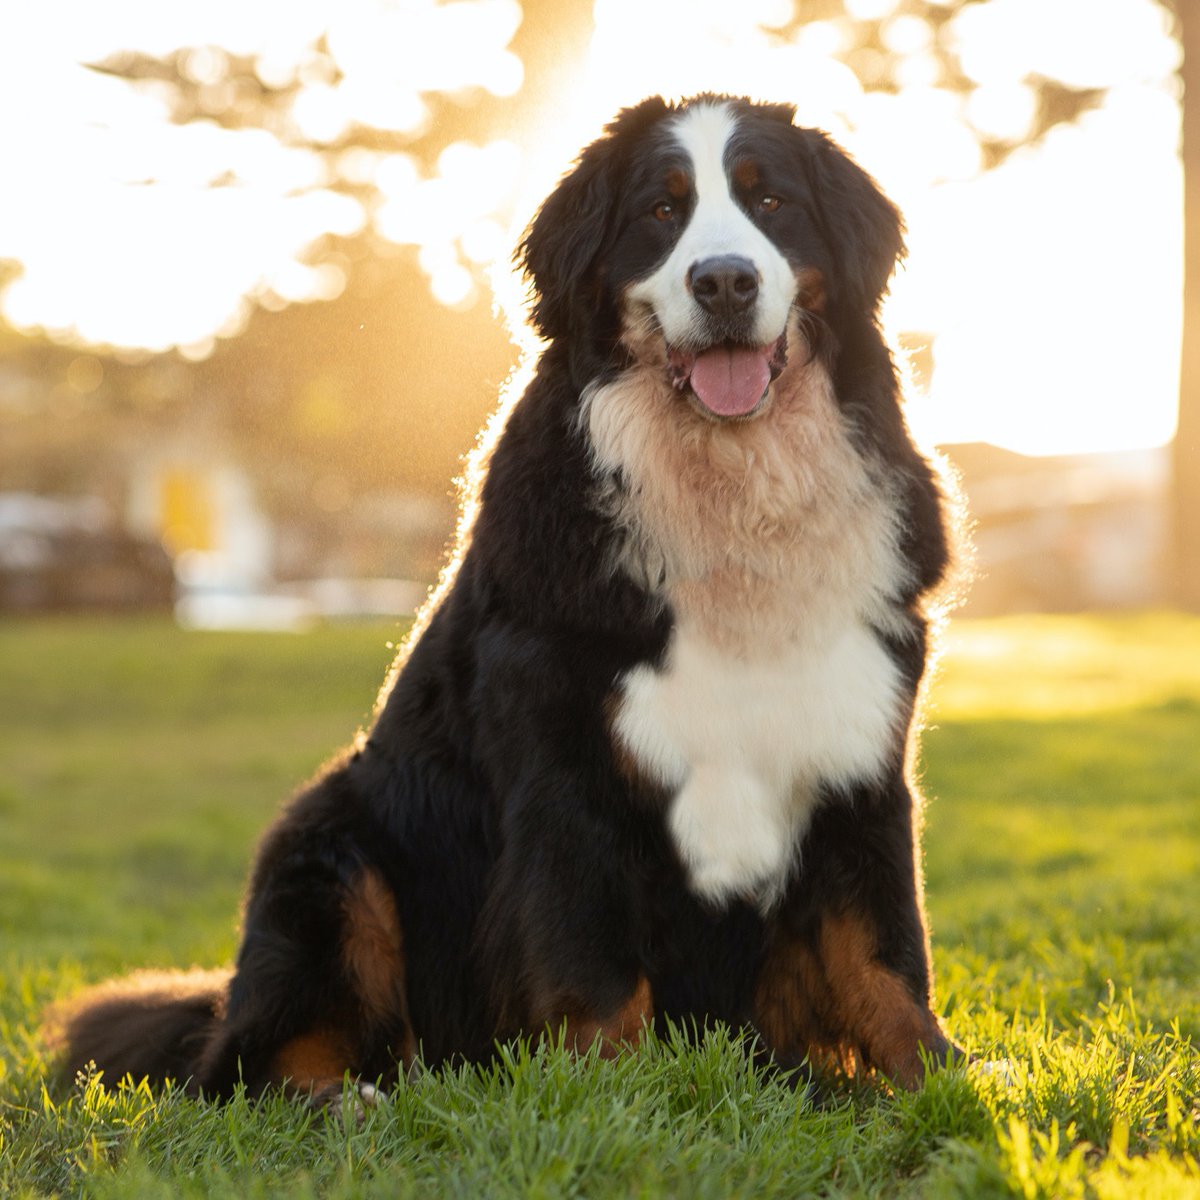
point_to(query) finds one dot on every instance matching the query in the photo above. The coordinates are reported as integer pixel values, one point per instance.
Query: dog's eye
(768, 204)
(663, 211)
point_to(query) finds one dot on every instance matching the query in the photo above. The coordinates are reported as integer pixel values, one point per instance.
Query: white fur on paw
(353, 1108)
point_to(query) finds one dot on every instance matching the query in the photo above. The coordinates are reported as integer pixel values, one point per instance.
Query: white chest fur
(744, 746)
(775, 546)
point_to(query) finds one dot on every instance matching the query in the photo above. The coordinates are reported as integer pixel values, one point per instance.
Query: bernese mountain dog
(646, 756)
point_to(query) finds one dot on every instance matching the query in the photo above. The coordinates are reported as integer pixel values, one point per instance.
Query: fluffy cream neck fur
(760, 533)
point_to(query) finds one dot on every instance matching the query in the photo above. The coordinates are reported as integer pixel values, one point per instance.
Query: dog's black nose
(724, 285)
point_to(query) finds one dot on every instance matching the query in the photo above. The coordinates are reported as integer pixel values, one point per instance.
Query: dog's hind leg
(320, 989)
(291, 1026)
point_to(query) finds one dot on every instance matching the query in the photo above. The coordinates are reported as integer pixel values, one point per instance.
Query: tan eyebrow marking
(677, 183)
(746, 174)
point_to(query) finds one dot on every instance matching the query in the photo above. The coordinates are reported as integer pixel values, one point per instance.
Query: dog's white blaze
(774, 543)
(717, 225)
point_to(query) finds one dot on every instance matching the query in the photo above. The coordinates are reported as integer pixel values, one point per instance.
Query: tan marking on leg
(619, 1030)
(373, 956)
(877, 1010)
(787, 999)
(314, 1062)
(794, 1012)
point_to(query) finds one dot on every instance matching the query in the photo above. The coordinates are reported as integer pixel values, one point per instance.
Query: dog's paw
(348, 1105)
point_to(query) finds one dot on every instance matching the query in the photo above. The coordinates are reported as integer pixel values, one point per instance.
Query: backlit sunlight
(1046, 289)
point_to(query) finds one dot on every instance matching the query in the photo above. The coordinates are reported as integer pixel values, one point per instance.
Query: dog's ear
(559, 250)
(563, 240)
(864, 228)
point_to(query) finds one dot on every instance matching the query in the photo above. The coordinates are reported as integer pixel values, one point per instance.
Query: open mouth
(729, 379)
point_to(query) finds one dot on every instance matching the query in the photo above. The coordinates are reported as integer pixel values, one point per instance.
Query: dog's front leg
(557, 936)
(846, 974)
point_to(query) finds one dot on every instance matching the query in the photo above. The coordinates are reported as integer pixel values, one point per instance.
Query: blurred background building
(251, 256)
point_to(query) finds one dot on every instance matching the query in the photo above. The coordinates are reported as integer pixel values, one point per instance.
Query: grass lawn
(138, 764)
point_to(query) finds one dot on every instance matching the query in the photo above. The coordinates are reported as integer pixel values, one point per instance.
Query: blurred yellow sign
(188, 511)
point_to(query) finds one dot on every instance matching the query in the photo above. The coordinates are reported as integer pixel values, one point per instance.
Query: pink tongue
(730, 380)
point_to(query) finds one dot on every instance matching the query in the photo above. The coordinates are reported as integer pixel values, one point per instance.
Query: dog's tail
(154, 1024)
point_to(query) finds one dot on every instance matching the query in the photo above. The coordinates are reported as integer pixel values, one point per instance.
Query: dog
(646, 756)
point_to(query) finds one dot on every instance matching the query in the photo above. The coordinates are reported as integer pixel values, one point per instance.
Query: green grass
(138, 764)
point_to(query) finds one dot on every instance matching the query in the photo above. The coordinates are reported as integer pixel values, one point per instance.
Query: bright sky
(1050, 285)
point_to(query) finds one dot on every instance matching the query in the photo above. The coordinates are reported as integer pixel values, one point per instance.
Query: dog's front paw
(348, 1105)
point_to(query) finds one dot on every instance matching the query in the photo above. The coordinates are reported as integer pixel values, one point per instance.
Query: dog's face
(694, 237)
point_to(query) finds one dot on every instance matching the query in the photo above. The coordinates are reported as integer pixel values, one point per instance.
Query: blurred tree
(894, 43)
(307, 388)
(889, 44)
(293, 100)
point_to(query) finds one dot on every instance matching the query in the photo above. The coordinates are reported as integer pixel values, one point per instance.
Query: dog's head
(694, 232)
